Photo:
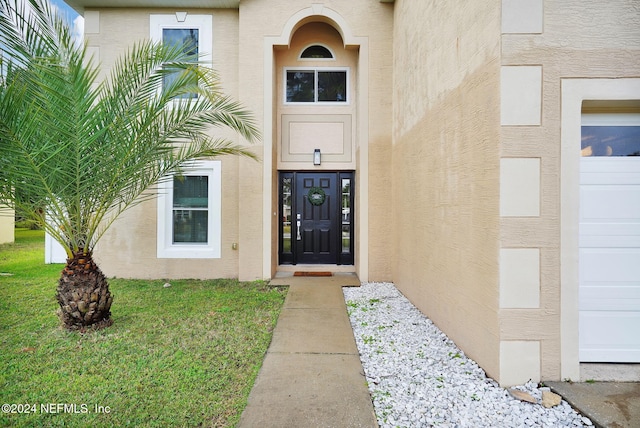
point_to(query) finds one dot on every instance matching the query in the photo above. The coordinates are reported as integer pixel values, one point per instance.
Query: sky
(75, 20)
(64, 8)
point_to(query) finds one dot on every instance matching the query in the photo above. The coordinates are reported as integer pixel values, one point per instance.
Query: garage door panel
(610, 234)
(610, 202)
(610, 165)
(609, 178)
(613, 228)
(610, 265)
(602, 241)
(609, 298)
(609, 336)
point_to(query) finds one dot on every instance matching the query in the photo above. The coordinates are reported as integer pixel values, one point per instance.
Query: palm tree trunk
(83, 294)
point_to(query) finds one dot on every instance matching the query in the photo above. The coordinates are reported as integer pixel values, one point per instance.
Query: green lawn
(186, 355)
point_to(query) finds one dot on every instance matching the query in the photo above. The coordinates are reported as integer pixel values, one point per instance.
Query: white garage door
(609, 293)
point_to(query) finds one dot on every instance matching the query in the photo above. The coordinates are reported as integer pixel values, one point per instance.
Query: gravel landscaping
(417, 376)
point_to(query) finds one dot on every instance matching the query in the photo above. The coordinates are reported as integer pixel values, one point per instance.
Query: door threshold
(317, 268)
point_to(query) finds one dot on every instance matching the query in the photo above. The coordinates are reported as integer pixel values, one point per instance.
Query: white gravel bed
(417, 376)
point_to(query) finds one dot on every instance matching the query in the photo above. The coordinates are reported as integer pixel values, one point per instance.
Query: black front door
(316, 213)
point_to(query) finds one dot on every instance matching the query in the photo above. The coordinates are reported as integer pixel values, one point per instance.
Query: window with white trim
(316, 85)
(189, 212)
(194, 32)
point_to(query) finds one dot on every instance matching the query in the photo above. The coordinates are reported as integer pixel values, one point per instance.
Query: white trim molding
(166, 248)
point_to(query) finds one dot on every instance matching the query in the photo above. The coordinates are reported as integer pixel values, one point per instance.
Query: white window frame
(316, 70)
(611, 119)
(166, 249)
(182, 20)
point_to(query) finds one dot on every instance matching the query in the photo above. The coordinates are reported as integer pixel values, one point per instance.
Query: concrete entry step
(340, 279)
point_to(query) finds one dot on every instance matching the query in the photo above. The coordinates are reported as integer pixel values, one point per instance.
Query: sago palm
(76, 151)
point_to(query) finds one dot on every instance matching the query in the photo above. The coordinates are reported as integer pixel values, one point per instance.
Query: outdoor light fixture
(316, 157)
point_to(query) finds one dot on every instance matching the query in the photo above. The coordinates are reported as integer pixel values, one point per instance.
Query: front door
(316, 213)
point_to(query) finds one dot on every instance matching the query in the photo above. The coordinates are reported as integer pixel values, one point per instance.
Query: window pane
(188, 39)
(611, 141)
(332, 86)
(190, 203)
(185, 37)
(300, 86)
(191, 191)
(190, 226)
(316, 51)
(286, 215)
(346, 201)
(346, 238)
(346, 215)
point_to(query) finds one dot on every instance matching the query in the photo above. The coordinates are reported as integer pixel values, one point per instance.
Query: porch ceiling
(80, 5)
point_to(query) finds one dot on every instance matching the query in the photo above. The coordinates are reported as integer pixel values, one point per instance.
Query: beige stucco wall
(242, 55)
(446, 155)
(478, 169)
(575, 40)
(128, 249)
(7, 224)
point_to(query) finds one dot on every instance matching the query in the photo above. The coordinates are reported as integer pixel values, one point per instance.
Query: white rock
(418, 377)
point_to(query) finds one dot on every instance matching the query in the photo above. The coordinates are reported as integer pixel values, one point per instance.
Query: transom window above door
(316, 85)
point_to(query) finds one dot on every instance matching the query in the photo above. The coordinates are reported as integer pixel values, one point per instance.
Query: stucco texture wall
(250, 188)
(446, 153)
(477, 166)
(574, 39)
(7, 225)
(128, 248)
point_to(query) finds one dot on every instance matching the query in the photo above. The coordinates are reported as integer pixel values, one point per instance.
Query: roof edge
(80, 5)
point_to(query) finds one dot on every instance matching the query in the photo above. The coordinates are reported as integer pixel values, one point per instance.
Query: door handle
(298, 228)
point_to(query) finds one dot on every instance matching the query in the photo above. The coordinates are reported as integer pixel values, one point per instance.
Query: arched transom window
(316, 52)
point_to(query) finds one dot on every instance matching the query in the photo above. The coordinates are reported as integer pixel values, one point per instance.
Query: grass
(186, 355)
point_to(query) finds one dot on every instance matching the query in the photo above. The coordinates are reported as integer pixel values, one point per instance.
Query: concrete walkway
(607, 404)
(311, 375)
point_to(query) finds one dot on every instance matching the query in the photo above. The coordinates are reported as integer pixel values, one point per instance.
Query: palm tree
(86, 150)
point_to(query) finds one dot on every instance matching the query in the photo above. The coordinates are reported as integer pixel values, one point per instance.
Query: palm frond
(85, 152)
